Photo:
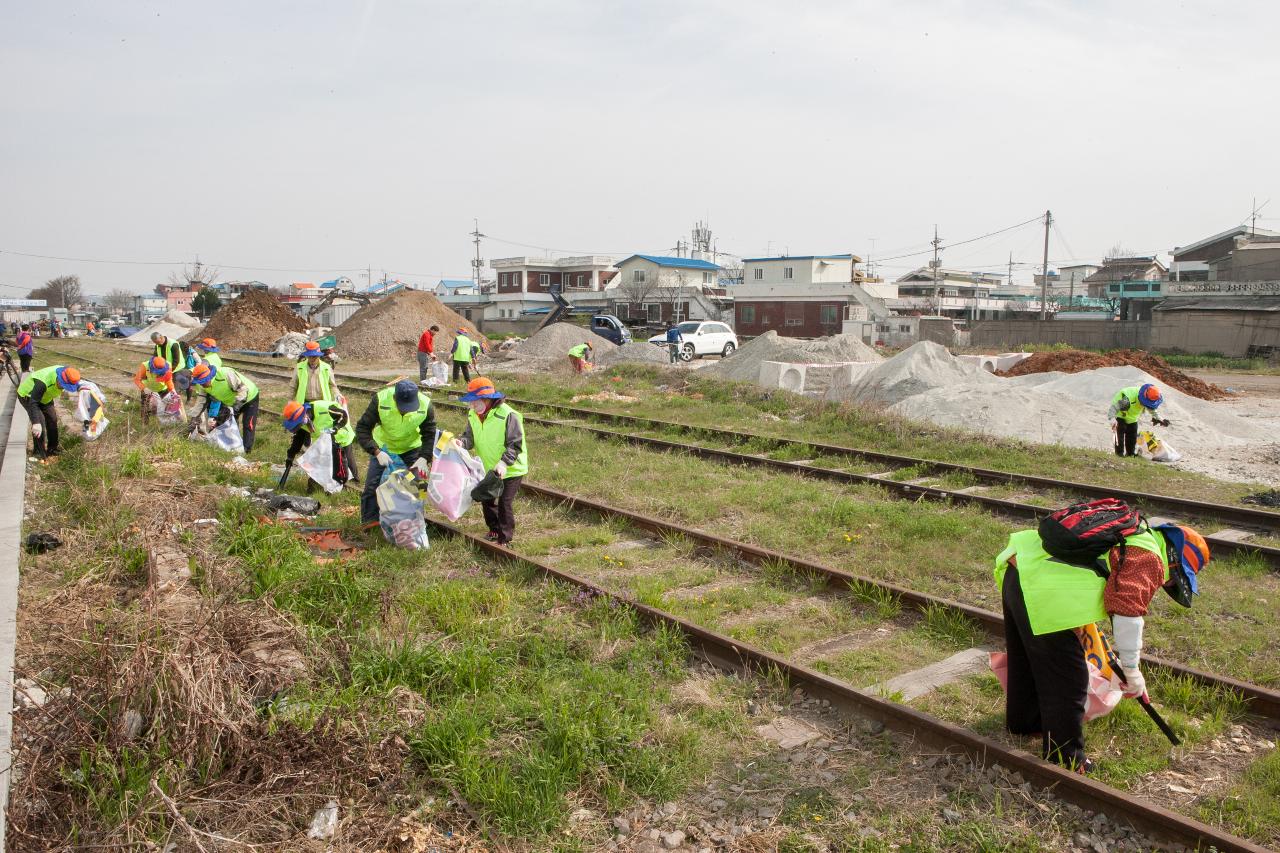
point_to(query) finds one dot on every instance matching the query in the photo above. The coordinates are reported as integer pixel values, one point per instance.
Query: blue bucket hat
(68, 379)
(294, 414)
(1187, 553)
(481, 388)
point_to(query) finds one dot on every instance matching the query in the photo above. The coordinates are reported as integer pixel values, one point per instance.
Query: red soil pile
(254, 321)
(1075, 361)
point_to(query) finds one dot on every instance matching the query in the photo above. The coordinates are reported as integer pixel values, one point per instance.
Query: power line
(1039, 218)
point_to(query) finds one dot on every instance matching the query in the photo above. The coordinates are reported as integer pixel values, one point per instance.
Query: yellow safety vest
(396, 432)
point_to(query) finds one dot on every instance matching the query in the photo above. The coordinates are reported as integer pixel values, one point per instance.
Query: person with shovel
(496, 431)
(463, 353)
(1047, 600)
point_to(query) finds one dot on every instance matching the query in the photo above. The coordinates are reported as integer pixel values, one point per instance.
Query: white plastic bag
(439, 375)
(317, 461)
(227, 437)
(1156, 449)
(91, 407)
(400, 511)
(454, 473)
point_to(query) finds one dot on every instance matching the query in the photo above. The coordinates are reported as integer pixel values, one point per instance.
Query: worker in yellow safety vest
(1047, 602)
(307, 420)
(463, 353)
(153, 377)
(313, 378)
(579, 356)
(228, 394)
(1127, 406)
(400, 421)
(496, 432)
(37, 393)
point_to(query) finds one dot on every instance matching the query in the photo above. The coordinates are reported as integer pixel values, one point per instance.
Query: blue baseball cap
(406, 396)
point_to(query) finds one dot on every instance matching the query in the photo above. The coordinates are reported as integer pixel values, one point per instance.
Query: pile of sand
(253, 321)
(181, 318)
(389, 329)
(919, 368)
(169, 330)
(1075, 361)
(635, 352)
(555, 340)
(744, 365)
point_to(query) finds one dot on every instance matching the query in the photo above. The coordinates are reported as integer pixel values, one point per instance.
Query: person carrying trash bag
(313, 378)
(463, 353)
(37, 393)
(1127, 406)
(580, 357)
(228, 394)
(496, 432)
(400, 420)
(153, 378)
(310, 420)
(1047, 600)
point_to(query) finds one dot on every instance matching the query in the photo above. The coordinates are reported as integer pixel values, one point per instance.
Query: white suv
(702, 337)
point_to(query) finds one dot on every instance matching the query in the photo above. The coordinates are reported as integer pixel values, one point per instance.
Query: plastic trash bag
(170, 409)
(317, 461)
(1102, 696)
(454, 473)
(400, 510)
(91, 406)
(439, 375)
(227, 436)
(1156, 449)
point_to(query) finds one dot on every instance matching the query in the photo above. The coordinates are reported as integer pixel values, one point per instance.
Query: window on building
(544, 278)
(793, 314)
(706, 278)
(653, 310)
(904, 328)
(637, 276)
(746, 314)
(827, 314)
(757, 273)
(788, 272)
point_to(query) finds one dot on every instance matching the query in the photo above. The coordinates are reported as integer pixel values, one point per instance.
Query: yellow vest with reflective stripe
(150, 382)
(47, 375)
(304, 374)
(1060, 596)
(463, 352)
(322, 419)
(396, 432)
(489, 437)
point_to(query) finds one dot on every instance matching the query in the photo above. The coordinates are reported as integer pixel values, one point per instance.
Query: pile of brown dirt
(389, 329)
(253, 320)
(1076, 361)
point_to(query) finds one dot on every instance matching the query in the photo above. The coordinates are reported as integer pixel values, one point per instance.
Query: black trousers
(47, 416)
(500, 515)
(373, 479)
(25, 361)
(349, 453)
(462, 367)
(1048, 681)
(1126, 438)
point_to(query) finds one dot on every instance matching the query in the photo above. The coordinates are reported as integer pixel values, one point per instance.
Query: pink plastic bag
(454, 473)
(1103, 696)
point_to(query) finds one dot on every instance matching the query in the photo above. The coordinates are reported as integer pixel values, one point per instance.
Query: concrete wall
(522, 328)
(1231, 333)
(1087, 334)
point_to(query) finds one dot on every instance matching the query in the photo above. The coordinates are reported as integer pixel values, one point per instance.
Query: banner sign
(1241, 288)
(24, 303)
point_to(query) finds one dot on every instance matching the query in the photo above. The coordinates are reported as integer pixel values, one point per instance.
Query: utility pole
(937, 306)
(476, 264)
(1044, 281)
(1072, 298)
(1011, 269)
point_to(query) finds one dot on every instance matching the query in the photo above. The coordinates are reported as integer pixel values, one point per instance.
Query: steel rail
(732, 655)
(1262, 701)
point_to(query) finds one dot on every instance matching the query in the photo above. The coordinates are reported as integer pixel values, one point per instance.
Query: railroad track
(1262, 701)
(1233, 540)
(732, 654)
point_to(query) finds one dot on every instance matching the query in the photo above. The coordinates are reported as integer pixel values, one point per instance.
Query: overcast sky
(321, 137)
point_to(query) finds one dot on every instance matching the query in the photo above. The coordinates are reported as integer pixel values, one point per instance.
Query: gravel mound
(1075, 361)
(555, 341)
(920, 368)
(254, 321)
(389, 329)
(744, 365)
(169, 330)
(633, 352)
(181, 318)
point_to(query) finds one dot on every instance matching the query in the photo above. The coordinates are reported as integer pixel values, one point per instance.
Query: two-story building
(524, 283)
(808, 296)
(661, 289)
(1197, 261)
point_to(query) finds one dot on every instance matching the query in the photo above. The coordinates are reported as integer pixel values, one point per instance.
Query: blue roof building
(667, 262)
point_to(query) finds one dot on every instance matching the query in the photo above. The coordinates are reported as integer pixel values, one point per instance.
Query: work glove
(37, 430)
(1135, 685)
(420, 467)
(500, 469)
(383, 459)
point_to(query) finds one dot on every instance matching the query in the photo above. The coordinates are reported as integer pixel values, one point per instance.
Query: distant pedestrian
(580, 357)
(496, 431)
(463, 353)
(674, 340)
(26, 347)
(426, 352)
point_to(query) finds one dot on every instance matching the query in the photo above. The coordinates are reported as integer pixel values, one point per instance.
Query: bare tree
(672, 292)
(61, 292)
(194, 274)
(119, 301)
(1118, 251)
(637, 291)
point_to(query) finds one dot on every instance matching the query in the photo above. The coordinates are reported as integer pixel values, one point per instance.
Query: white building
(524, 283)
(961, 295)
(659, 289)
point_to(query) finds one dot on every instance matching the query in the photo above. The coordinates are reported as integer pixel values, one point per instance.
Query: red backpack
(1083, 532)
